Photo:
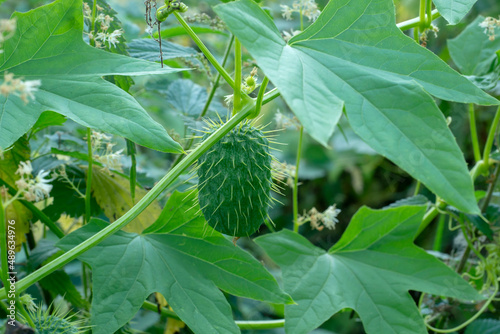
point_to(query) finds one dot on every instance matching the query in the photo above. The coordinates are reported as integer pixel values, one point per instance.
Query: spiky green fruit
(235, 181)
(54, 325)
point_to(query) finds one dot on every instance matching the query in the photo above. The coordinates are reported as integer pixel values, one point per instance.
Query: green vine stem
(430, 215)
(473, 133)
(491, 189)
(260, 324)
(260, 97)
(463, 260)
(415, 22)
(422, 18)
(296, 183)
(271, 95)
(88, 201)
(92, 25)
(470, 244)
(205, 50)
(137, 209)
(417, 188)
(491, 138)
(438, 239)
(88, 189)
(237, 77)
(131, 151)
(429, 13)
(416, 37)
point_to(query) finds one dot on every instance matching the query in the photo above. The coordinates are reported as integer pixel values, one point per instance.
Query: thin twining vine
(484, 267)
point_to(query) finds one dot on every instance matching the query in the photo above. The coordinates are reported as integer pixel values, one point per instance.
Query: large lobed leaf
(355, 57)
(178, 256)
(370, 270)
(48, 46)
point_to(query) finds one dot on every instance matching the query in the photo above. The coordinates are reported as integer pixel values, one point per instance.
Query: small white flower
(100, 18)
(286, 12)
(22, 184)
(105, 21)
(8, 25)
(41, 187)
(149, 30)
(228, 99)
(110, 38)
(18, 87)
(24, 168)
(103, 151)
(490, 24)
(113, 37)
(112, 160)
(33, 189)
(330, 217)
(87, 12)
(28, 88)
(7, 29)
(309, 8)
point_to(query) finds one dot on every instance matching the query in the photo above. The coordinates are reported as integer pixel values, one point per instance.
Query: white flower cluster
(328, 218)
(103, 23)
(33, 189)
(308, 8)
(490, 24)
(19, 87)
(102, 150)
(110, 38)
(424, 36)
(7, 30)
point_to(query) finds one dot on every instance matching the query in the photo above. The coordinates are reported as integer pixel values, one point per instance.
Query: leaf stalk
(296, 183)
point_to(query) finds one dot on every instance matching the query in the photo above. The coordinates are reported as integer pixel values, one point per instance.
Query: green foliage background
(350, 175)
